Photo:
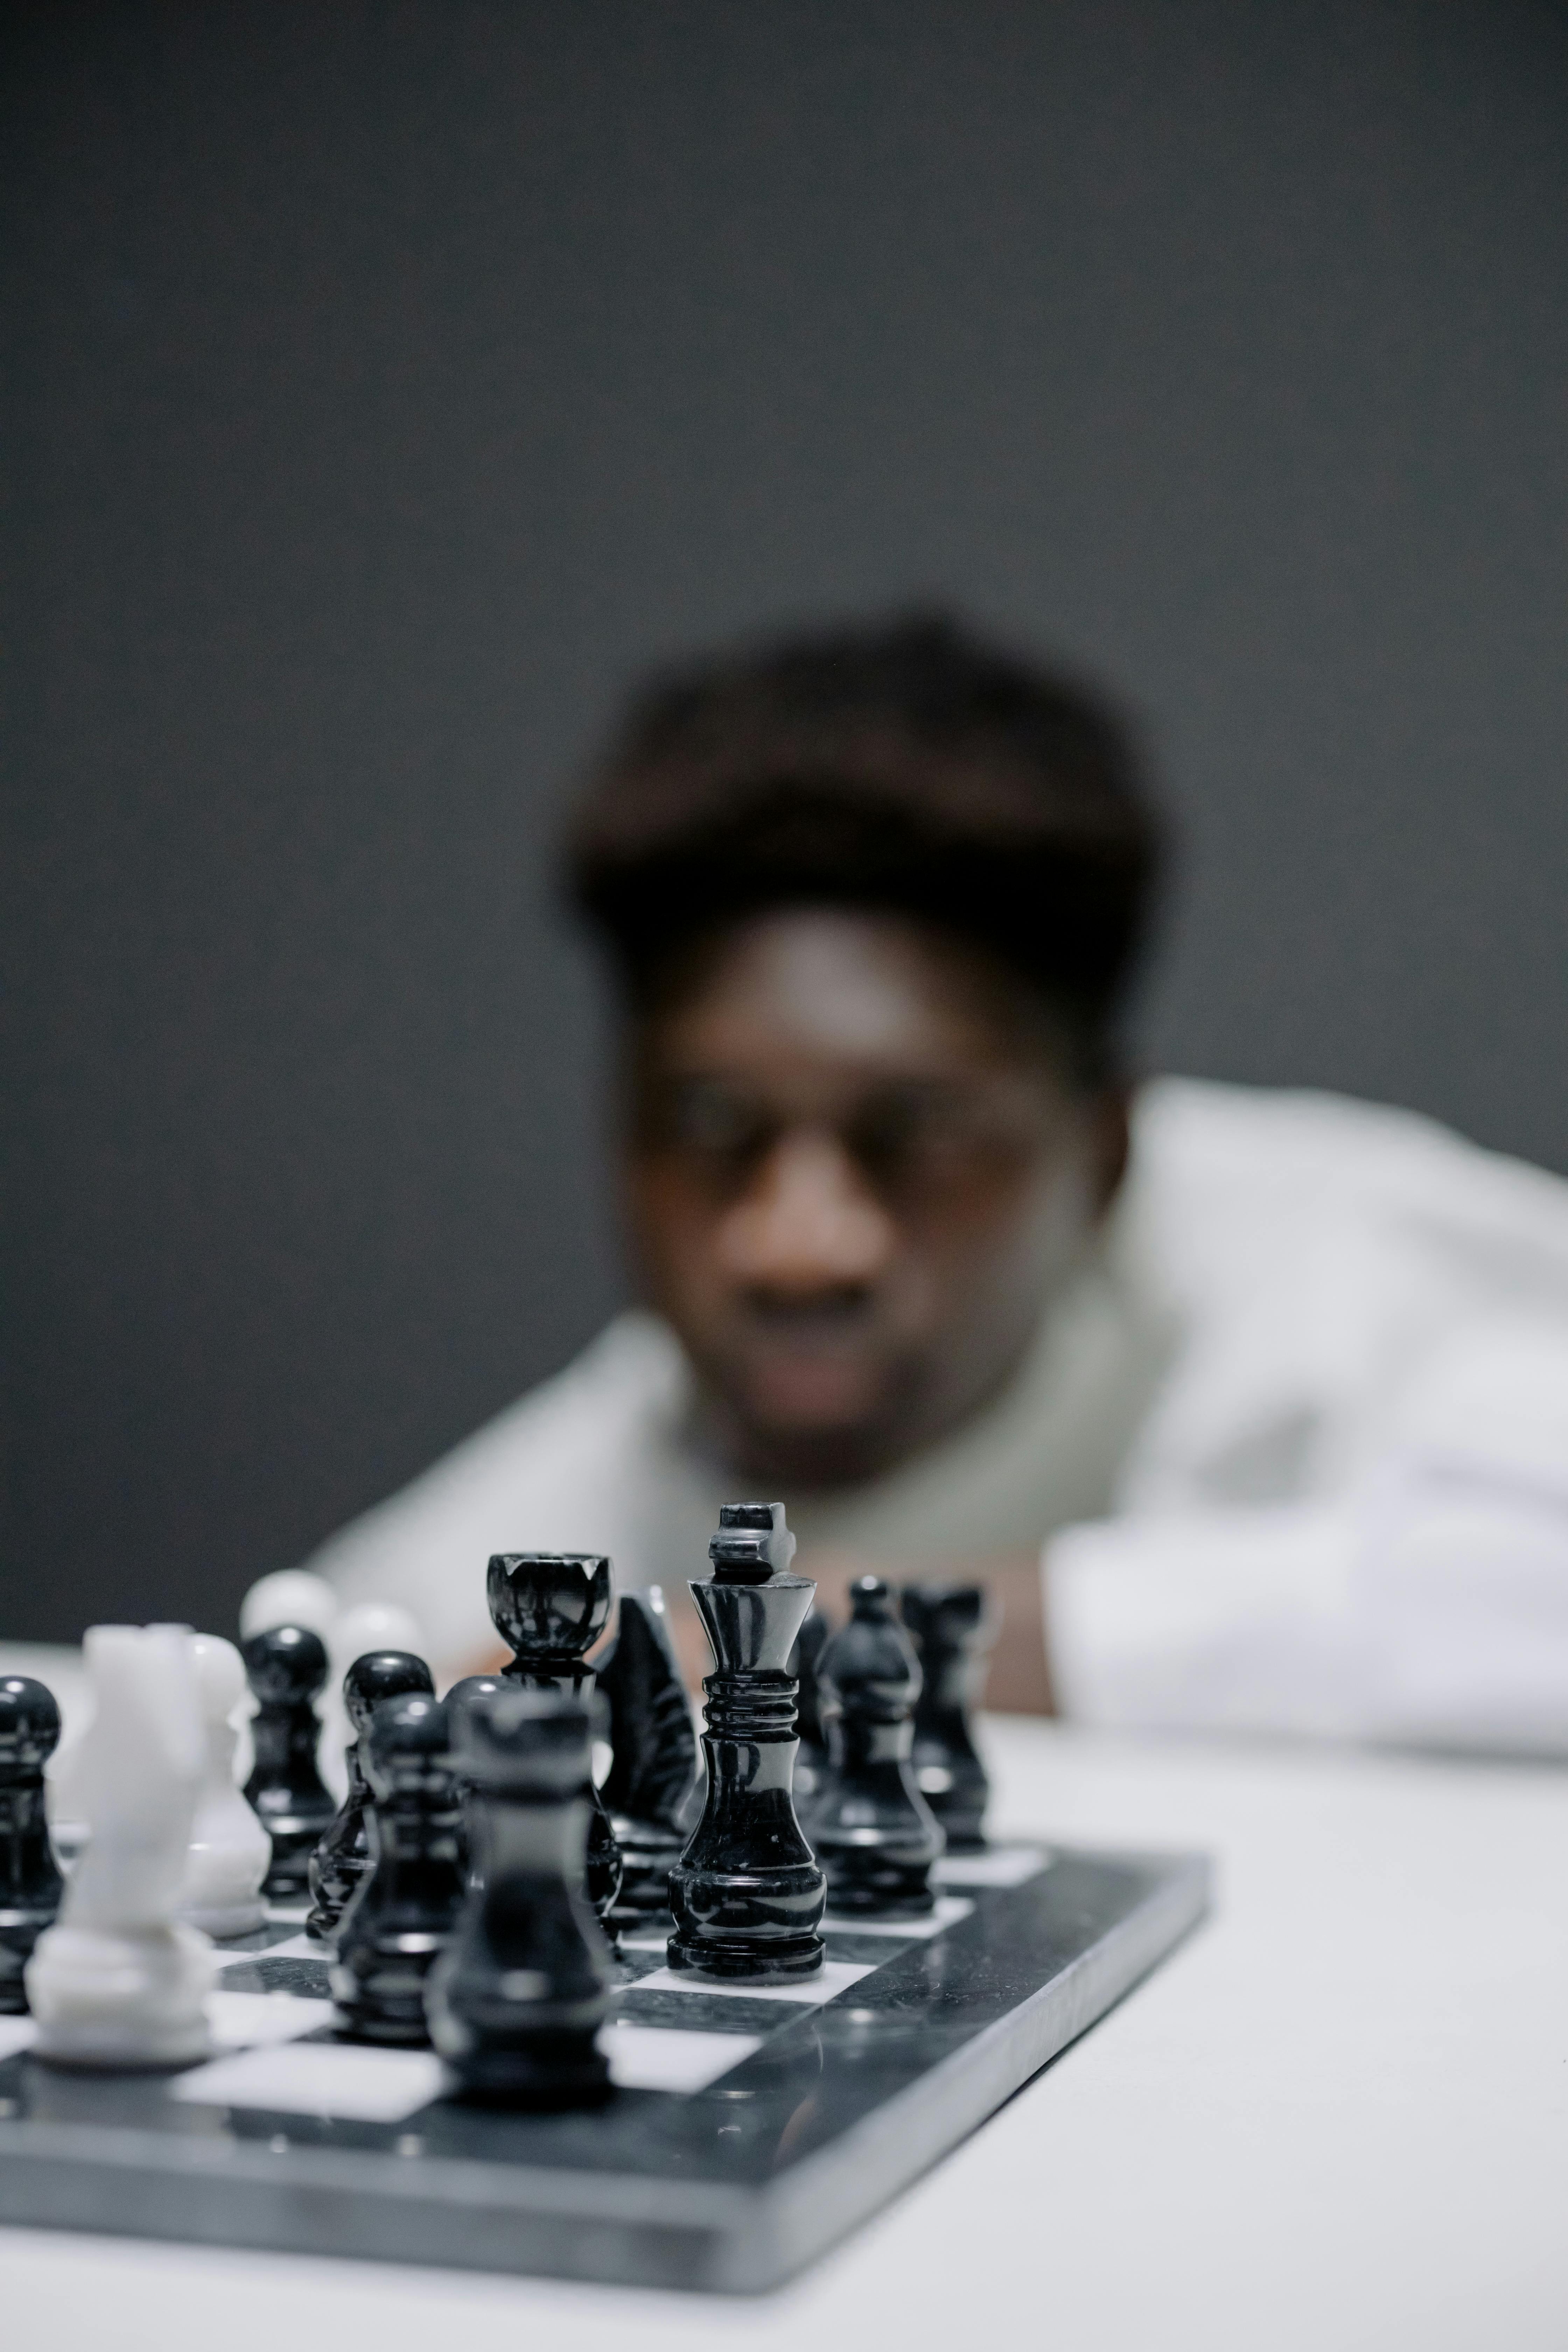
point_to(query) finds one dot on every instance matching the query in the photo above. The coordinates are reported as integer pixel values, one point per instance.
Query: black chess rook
(401, 1917)
(341, 1859)
(952, 1629)
(516, 2003)
(286, 1668)
(549, 1607)
(875, 1835)
(748, 1895)
(30, 1883)
(653, 1772)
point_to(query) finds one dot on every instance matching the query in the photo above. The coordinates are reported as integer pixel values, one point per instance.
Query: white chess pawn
(119, 1981)
(230, 1852)
(290, 1596)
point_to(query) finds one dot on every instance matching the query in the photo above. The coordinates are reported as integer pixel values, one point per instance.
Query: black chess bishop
(517, 2000)
(30, 1883)
(952, 1629)
(403, 1914)
(652, 1779)
(342, 1857)
(286, 1668)
(549, 1607)
(874, 1834)
(747, 1895)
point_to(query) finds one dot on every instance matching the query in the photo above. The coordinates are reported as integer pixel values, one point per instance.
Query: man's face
(856, 1171)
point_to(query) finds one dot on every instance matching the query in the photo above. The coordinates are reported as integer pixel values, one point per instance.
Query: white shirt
(1294, 1443)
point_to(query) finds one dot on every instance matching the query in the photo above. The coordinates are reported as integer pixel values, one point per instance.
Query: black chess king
(747, 1895)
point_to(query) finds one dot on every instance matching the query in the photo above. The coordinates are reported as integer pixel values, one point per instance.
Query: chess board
(749, 2129)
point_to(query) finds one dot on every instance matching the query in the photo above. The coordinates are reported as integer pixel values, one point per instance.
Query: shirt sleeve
(1427, 1606)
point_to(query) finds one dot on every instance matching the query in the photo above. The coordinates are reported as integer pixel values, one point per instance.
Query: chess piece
(119, 1981)
(811, 1757)
(516, 2000)
(368, 1625)
(341, 1857)
(230, 1852)
(30, 1882)
(549, 1607)
(289, 1596)
(287, 1667)
(952, 1630)
(747, 1896)
(653, 1749)
(403, 1912)
(874, 1834)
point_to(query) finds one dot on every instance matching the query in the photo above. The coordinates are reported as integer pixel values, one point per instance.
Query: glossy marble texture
(835, 2102)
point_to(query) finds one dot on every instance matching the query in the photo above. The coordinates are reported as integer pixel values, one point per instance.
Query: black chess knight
(516, 2001)
(747, 1895)
(653, 1772)
(549, 1607)
(874, 1834)
(342, 1857)
(30, 1883)
(286, 1668)
(952, 1631)
(404, 1912)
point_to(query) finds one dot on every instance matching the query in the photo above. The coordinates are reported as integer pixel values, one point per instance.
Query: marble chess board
(749, 2129)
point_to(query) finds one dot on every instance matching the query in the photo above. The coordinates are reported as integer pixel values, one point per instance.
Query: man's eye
(709, 1119)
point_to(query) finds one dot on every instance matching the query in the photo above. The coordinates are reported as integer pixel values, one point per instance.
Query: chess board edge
(612, 2226)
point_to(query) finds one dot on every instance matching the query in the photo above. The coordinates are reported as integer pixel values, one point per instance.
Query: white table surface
(1337, 2118)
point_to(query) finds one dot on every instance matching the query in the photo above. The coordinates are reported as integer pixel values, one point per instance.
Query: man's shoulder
(1302, 1140)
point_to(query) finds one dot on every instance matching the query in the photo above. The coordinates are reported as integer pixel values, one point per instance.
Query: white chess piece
(119, 1980)
(289, 1596)
(230, 1852)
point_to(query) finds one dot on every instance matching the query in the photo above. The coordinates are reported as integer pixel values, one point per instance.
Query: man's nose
(808, 1222)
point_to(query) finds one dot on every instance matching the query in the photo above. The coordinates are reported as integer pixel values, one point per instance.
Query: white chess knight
(121, 1980)
(229, 1852)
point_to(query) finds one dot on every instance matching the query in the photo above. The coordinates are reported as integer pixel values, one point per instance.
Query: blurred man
(1251, 1409)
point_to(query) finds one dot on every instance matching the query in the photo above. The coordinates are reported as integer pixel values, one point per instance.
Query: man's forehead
(824, 984)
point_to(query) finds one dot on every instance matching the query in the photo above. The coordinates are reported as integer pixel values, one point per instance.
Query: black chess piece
(549, 1607)
(747, 1896)
(404, 1911)
(653, 1770)
(471, 1687)
(30, 1882)
(341, 1858)
(286, 1668)
(874, 1834)
(516, 2001)
(811, 1757)
(952, 1629)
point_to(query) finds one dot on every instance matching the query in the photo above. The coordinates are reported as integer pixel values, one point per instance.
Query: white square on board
(1002, 1865)
(654, 2058)
(318, 2078)
(834, 1977)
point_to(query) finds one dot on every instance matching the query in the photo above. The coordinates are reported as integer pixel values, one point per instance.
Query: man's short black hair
(909, 766)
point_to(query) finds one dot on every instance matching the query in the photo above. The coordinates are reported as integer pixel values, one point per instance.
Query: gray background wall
(387, 383)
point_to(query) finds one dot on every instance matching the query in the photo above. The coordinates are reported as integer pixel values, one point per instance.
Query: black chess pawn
(811, 1757)
(404, 1914)
(341, 1859)
(653, 1769)
(286, 1668)
(550, 1606)
(516, 2000)
(471, 1687)
(874, 1834)
(952, 1629)
(30, 1882)
(747, 1895)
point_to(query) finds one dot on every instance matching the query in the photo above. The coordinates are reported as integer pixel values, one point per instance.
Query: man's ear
(1110, 1129)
